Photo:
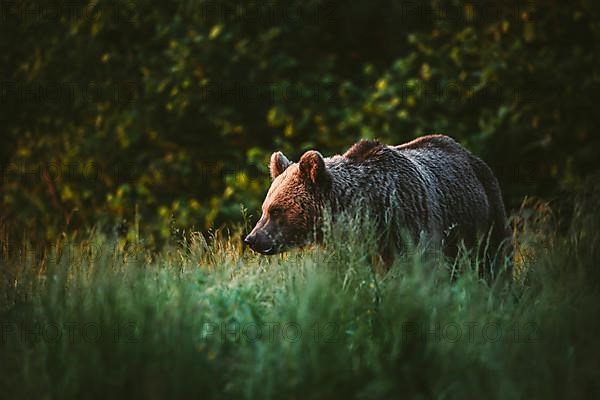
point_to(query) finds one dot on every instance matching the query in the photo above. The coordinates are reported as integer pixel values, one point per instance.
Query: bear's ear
(278, 164)
(312, 167)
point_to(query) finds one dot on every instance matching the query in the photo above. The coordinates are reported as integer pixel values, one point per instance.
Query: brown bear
(430, 187)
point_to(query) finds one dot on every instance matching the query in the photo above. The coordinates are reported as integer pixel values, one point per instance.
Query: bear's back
(430, 141)
(440, 185)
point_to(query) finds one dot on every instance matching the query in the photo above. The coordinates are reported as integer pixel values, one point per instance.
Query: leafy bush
(167, 113)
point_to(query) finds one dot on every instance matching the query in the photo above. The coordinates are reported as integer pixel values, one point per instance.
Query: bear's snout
(260, 243)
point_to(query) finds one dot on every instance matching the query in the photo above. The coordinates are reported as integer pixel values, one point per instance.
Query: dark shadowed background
(166, 114)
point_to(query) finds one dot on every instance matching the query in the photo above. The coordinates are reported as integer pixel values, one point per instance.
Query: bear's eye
(276, 211)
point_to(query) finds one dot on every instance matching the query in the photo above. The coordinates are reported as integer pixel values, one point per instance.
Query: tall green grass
(97, 318)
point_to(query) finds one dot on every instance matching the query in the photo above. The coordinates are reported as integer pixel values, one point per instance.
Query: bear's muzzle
(261, 243)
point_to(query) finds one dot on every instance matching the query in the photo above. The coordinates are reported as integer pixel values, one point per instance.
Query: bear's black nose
(250, 240)
(260, 243)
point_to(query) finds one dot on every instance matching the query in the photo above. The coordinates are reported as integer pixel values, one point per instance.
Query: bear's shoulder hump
(364, 150)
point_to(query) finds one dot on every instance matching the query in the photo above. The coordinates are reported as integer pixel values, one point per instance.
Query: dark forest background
(164, 114)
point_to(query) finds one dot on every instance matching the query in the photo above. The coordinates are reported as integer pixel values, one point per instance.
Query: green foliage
(116, 110)
(92, 318)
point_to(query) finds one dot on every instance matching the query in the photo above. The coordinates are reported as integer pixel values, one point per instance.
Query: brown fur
(430, 187)
(363, 150)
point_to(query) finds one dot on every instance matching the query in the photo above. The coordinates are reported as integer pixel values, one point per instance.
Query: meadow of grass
(96, 317)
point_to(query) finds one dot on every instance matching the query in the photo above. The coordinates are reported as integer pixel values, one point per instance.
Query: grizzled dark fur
(429, 188)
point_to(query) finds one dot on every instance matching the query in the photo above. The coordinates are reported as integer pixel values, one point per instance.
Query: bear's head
(292, 210)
